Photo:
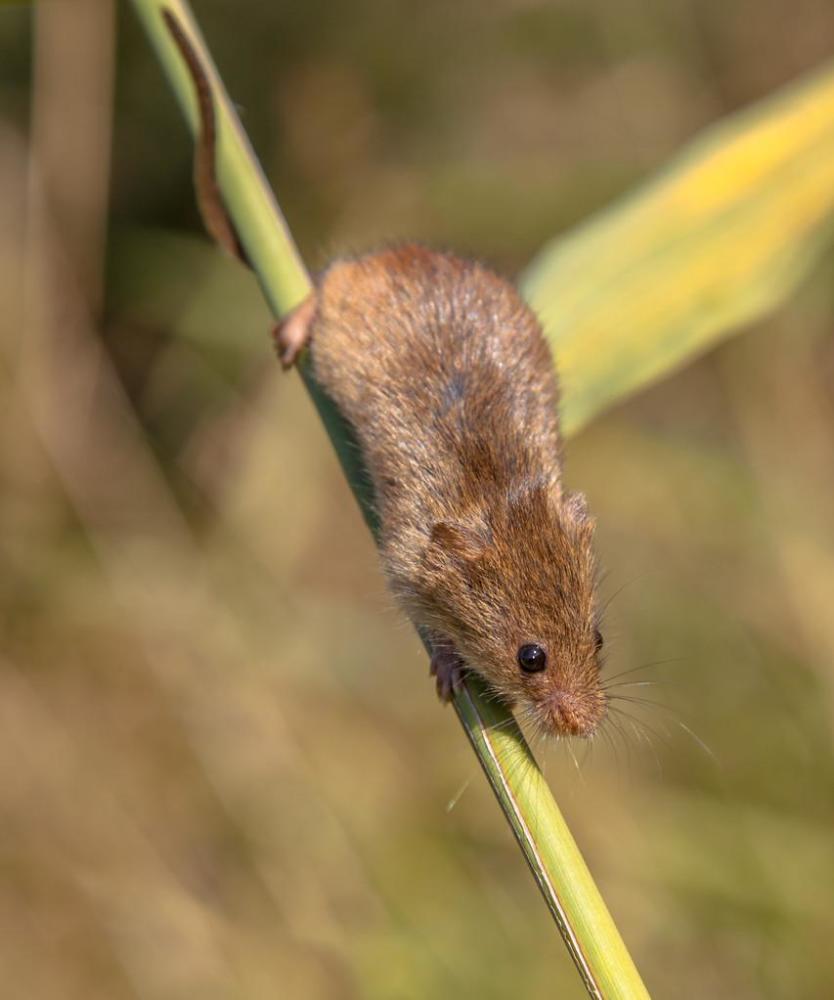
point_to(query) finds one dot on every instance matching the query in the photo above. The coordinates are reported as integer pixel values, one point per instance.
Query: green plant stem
(560, 871)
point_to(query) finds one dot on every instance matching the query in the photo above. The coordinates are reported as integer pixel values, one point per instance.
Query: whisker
(707, 750)
(646, 666)
(633, 700)
(674, 718)
(615, 725)
(638, 728)
(631, 684)
(608, 736)
(494, 727)
(450, 805)
(662, 735)
(569, 744)
(616, 593)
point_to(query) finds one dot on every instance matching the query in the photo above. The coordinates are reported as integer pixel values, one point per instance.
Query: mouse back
(447, 380)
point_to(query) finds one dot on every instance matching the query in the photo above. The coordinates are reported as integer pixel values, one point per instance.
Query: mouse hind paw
(293, 332)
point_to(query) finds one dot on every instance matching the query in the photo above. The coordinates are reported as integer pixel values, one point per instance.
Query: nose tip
(573, 716)
(568, 719)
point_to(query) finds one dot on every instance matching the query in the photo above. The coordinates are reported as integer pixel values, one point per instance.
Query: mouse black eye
(597, 639)
(532, 658)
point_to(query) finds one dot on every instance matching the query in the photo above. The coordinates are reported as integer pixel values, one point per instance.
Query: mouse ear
(459, 539)
(575, 507)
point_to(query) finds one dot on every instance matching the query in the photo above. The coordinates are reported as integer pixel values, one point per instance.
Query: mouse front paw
(448, 669)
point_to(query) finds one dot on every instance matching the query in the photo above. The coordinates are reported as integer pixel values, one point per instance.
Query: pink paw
(448, 668)
(293, 332)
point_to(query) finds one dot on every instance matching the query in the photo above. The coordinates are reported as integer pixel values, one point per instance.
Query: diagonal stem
(563, 878)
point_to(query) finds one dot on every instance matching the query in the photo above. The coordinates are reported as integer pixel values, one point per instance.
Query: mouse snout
(571, 714)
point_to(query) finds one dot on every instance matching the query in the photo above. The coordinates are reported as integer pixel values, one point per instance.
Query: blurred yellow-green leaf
(183, 816)
(590, 934)
(711, 244)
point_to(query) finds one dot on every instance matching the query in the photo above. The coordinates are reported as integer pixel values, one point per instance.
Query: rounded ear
(575, 508)
(459, 539)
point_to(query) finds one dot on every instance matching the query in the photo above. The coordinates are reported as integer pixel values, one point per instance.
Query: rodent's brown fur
(445, 376)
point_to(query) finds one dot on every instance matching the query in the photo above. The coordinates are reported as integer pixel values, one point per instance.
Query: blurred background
(223, 770)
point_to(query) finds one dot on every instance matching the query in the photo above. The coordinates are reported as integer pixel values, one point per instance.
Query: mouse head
(514, 588)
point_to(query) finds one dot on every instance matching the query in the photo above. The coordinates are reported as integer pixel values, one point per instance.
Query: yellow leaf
(721, 237)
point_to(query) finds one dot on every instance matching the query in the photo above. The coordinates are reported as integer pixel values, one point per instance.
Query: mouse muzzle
(564, 713)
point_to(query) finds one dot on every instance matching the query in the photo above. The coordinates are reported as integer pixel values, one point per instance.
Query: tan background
(223, 772)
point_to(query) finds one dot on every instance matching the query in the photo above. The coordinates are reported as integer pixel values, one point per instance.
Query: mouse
(445, 377)
(447, 381)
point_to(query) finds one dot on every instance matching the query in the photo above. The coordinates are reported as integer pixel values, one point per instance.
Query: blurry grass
(568, 889)
(154, 742)
(719, 239)
(760, 284)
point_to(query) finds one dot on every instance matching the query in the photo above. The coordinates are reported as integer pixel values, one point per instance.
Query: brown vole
(446, 379)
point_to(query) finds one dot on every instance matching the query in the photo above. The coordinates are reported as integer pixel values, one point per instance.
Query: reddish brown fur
(445, 376)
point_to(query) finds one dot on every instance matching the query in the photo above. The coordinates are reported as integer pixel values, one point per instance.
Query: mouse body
(446, 379)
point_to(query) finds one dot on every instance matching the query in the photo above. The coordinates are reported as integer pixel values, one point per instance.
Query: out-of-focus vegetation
(720, 238)
(223, 766)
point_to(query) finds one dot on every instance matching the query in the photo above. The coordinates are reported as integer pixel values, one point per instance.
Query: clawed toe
(448, 669)
(293, 332)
